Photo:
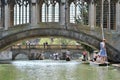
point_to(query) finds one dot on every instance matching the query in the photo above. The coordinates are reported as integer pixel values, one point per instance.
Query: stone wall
(6, 55)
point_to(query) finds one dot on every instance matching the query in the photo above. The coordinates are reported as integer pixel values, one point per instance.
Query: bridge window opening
(44, 12)
(79, 12)
(78, 15)
(113, 15)
(56, 12)
(85, 13)
(50, 12)
(21, 12)
(72, 13)
(106, 14)
(98, 13)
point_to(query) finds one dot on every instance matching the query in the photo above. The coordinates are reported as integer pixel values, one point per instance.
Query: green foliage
(44, 40)
(57, 41)
(83, 16)
(89, 49)
(23, 42)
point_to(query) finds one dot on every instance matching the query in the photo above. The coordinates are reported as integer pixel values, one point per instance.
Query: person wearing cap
(103, 53)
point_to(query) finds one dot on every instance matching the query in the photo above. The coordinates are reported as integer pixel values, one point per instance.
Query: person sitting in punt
(84, 55)
(98, 59)
(95, 55)
(67, 58)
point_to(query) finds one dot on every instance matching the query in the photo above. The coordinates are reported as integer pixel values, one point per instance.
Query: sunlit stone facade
(94, 13)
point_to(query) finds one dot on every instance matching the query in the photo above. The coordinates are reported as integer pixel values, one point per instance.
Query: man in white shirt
(103, 53)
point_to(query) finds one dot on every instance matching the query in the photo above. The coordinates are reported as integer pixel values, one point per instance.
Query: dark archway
(14, 55)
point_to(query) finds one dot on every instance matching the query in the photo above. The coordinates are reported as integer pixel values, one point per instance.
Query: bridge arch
(15, 54)
(9, 39)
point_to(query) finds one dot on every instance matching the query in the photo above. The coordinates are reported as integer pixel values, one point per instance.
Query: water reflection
(55, 70)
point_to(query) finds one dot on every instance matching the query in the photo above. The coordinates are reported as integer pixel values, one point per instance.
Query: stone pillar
(38, 12)
(40, 5)
(62, 12)
(101, 23)
(34, 12)
(118, 16)
(75, 11)
(11, 15)
(64, 15)
(67, 13)
(7, 16)
(1, 19)
(92, 15)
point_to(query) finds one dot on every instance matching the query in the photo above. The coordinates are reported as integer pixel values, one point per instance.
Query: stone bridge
(24, 19)
(35, 51)
(74, 31)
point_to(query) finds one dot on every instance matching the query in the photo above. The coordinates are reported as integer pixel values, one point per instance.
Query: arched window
(50, 13)
(44, 12)
(21, 12)
(79, 12)
(105, 14)
(98, 13)
(56, 12)
(113, 15)
(72, 13)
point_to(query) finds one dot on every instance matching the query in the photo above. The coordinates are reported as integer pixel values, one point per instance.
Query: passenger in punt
(95, 55)
(67, 58)
(98, 59)
(84, 55)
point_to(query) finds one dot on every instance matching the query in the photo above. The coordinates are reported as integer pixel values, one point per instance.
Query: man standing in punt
(103, 53)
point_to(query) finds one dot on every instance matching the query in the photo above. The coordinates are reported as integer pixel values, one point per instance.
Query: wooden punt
(99, 64)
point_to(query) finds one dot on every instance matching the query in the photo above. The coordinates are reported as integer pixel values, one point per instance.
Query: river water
(56, 70)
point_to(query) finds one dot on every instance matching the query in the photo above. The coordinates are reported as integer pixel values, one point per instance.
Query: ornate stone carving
(22, 2)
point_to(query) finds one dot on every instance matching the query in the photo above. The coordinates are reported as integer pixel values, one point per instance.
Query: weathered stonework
(53, 29)
(34, 53)
(6, 55)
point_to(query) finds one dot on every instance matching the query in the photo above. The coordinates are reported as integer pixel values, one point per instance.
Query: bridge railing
(75, 47)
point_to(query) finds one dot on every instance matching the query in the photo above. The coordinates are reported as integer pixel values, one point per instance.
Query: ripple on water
(43, 63)
(63, 70)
